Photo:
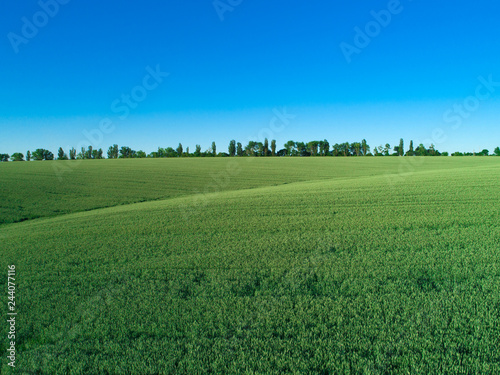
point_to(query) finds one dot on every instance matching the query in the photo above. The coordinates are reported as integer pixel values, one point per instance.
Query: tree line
(253, 148)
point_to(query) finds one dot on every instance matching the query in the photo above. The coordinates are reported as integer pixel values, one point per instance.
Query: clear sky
(301, 70)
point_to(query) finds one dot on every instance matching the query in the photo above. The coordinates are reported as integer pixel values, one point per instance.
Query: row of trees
(253, 148)
(38, 154)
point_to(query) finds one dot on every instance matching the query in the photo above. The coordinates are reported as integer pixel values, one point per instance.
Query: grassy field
(42, 189)
(265, 266)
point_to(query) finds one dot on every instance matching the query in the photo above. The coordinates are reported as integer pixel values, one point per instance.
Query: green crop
(317, 265)
(50, 188)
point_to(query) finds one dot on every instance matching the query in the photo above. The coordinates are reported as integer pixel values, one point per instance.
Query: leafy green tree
(265, 147)
(410, 151)
(386, 149)
(126, 152)
(432, 150)
(344, 148)
(445, 154)
(251, 148)
(312, 147)
(341, 149)
(81, 154)
(301, 149)
(97, 154)
(42, 154)
(197, 151)
(364, 147)
(485, 152)
(324, 147)
(37, 154)
(239, 149)
(214, 149)
(336, 150)
(113, 152)
(140, 154)
(17, 156)
(496, 151)
(260, 149)
(47, 155)
(356, 148)
(88, 154)
(61, 155)
(72, 153)
(169, 153)
(273, 147)
(28, 156)
(232, 148)
(321, 145)
(290, 147)
(347, 148)
(179, 150)
(4, 157)
(401, 148)
(421, 151)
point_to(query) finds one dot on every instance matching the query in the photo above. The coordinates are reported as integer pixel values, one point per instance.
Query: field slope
(42, 189)
(320, 268)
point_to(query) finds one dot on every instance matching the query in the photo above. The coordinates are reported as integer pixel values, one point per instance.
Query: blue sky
(429, 73)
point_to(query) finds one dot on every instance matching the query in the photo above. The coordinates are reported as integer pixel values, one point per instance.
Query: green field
(41, 189)
(254, 265)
